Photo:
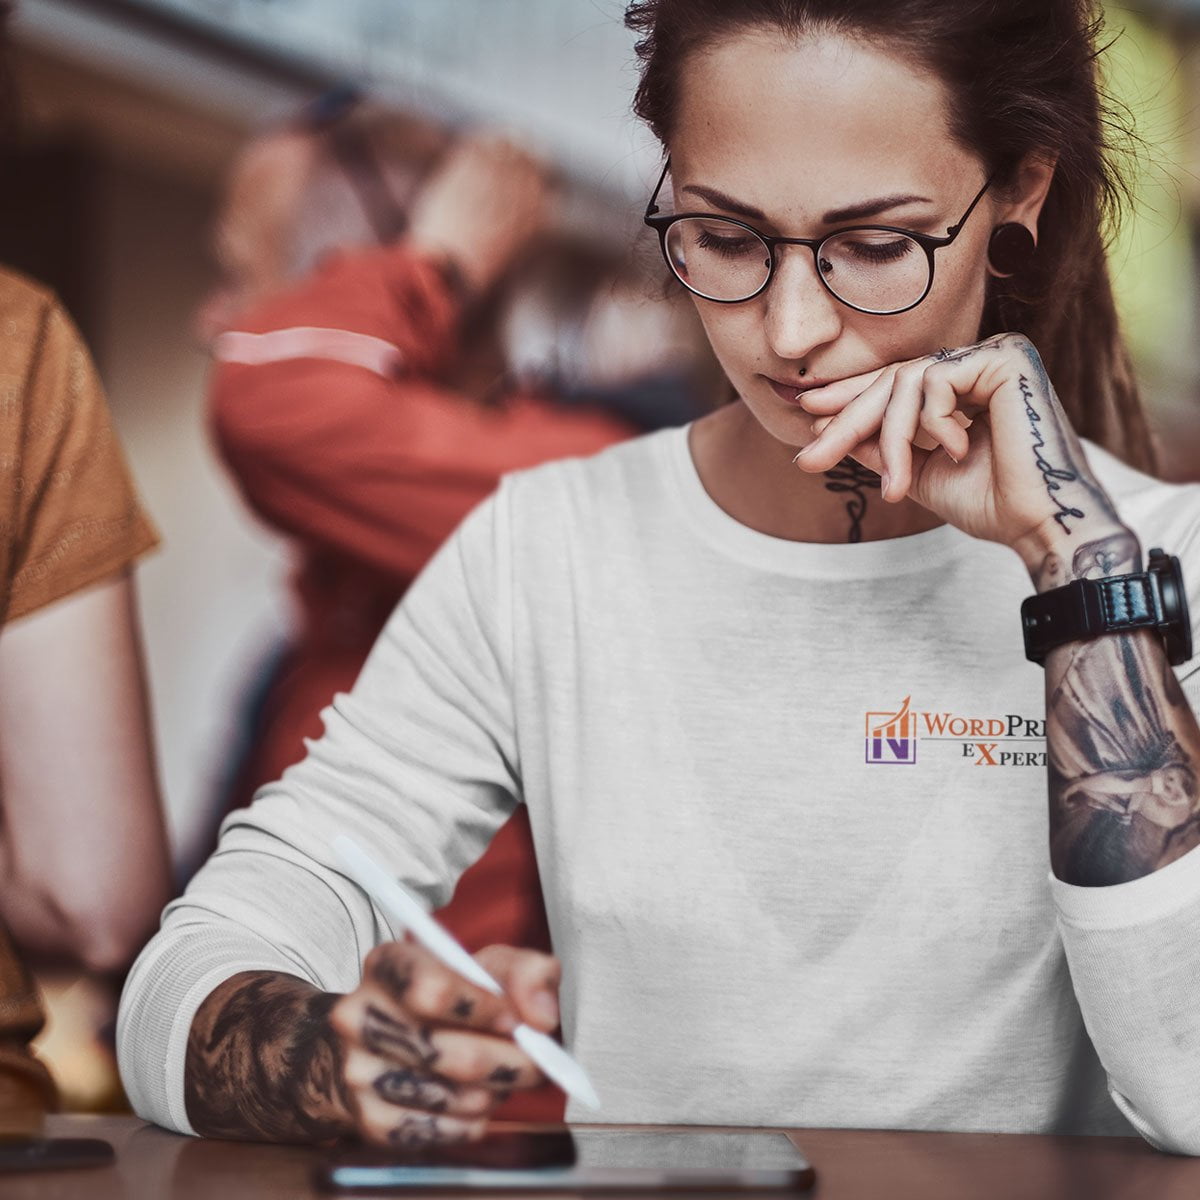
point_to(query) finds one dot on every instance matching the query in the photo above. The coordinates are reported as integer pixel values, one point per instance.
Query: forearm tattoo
(851, 476)
(1124, 746)
(263, 1062)
(1123, 743)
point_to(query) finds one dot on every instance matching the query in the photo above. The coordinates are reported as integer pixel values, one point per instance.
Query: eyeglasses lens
(873, 270)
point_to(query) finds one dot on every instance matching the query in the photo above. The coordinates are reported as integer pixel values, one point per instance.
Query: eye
(730, 246)
(876, 248)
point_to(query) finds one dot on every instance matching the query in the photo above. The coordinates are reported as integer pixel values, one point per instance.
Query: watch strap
(1087, 608)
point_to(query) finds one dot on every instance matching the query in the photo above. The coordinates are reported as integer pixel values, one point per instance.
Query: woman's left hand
(1017, 475)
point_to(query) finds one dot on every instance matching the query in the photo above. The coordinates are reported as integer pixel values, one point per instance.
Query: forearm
(263, 1062)
(1115, 712)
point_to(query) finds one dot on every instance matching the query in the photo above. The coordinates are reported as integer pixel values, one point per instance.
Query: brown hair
(1021, 76)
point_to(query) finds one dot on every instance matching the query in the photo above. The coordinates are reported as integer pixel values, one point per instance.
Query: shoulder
(591, 506)
(38, 340)
(22, 297)
(26, 308)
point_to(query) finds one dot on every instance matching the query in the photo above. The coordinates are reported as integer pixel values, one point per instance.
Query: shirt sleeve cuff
(1138, 902)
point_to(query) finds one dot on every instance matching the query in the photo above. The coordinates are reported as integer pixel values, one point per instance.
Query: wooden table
(851, 1165)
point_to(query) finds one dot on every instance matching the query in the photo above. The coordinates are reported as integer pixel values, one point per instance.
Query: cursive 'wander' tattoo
(851, 476)
(1124, 745)
(1053, 476)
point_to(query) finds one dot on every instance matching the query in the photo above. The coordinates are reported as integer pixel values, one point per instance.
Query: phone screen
(585, 1160)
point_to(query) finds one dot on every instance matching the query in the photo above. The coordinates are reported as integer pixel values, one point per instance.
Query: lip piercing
(803, 372)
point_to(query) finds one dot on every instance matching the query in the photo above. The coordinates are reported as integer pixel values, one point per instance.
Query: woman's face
(792, 133)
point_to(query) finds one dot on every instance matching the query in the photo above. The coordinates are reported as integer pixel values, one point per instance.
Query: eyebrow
(855, 212)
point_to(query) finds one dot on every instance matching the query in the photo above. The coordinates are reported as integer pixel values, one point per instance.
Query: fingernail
(884, 482)
(801, 454)
(545, 1008)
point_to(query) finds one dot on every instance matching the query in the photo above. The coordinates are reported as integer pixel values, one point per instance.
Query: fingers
(915, 404)
(899, 428)
(372, 1078)
(530, 980)
(856, 422)
(831, 399)
(383, 1124)
(426, 1056)
(381, 1037)
(940, 403)
(482, 1062)
(408, 975)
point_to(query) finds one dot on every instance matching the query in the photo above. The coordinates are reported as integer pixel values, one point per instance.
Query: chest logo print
(892, 737)
(1011, 740)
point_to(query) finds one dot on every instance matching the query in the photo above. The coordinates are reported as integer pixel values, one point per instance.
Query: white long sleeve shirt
(789, 804)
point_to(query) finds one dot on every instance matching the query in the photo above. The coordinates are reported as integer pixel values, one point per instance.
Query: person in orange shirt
(364, 408)
(84, 866)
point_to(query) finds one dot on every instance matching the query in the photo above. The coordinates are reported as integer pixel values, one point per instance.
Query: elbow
(1172, 1127)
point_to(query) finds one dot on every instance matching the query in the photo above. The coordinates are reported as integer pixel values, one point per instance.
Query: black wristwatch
(1089, 608)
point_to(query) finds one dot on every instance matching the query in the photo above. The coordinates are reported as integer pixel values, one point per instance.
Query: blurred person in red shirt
(389, 340)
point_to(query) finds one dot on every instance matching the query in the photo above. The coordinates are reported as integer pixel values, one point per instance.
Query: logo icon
(892, 737)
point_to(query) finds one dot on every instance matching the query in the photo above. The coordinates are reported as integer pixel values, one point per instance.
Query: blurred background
(133, 114)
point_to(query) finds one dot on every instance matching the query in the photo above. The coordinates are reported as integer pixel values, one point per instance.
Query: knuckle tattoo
(415, 1131)
(395, 976)
(406, 1088)
(389, 1038)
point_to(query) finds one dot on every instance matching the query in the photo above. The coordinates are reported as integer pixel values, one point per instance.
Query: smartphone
(53, 1154)
(608, 1160)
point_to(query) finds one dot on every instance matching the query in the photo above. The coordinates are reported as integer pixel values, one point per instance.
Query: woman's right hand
(427, 1056)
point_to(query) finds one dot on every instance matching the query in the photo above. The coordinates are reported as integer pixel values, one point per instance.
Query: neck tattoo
(851, 476)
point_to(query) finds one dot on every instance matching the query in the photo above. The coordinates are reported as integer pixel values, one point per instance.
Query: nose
(801, 315)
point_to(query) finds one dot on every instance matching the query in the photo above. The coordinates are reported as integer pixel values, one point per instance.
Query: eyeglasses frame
(662, 222)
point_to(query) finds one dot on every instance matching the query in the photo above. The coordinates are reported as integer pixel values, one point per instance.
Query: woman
(746, 703)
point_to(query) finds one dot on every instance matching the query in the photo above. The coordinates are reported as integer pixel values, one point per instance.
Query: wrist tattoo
(263, 1062)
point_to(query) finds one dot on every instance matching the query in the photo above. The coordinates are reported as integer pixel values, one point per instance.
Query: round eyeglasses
(876, 269)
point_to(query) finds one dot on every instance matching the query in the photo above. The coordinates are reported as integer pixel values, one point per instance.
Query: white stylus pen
(403, 907)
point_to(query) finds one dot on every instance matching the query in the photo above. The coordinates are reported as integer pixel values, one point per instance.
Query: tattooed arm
(414, 1055)
(1123, 743)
